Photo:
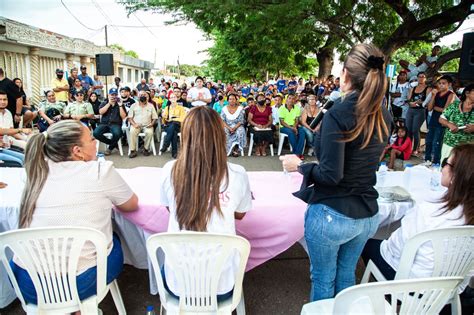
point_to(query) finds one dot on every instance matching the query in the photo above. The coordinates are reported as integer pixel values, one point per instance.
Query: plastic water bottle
(150, 310)
(382, 174)
(6, 142)
(407, 176)
(435, 181)
(100, 157)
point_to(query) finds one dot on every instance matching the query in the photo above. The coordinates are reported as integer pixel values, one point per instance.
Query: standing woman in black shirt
(342, 204)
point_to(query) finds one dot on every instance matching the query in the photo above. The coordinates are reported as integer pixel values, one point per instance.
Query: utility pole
(106, 45)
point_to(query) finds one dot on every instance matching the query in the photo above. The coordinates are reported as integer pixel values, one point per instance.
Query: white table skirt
(133, 237)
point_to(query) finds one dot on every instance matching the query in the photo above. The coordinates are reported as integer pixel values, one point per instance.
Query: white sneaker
(427, 163)
(310, 151)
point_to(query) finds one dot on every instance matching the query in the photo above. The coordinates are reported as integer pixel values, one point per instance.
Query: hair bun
(375, 62)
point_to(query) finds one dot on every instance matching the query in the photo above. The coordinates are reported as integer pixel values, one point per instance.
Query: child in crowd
(401, 147)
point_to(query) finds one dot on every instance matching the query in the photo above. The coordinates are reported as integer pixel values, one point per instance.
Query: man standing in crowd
(151, 85)
(142, 118)
(113, 113)
(281, 85)
(86, 80)
(199, 95)
(98, 86)
(15, 101)
(292, 85)
(60, 86)
(72, 77)
(142, 86)
(118, 85)
(399, 96)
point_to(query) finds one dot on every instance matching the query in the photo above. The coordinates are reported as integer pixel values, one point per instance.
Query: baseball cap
(59, 70)
(113, 91)
(126, 88)
(83, 67)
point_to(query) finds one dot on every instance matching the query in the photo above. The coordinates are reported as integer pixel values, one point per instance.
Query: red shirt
(261, 118)
(405, 147)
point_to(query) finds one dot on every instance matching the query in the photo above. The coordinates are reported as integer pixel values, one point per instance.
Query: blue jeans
(309, 137)
(115, 130)
(12, 156)
(335, 243)
(296, 141)
(172, 130)
(415, 118)
(86, 281)
(434, 140)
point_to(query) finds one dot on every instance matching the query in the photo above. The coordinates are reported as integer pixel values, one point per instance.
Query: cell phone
(462, 127)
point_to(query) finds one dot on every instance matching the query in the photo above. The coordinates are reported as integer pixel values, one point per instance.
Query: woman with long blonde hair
(202, 191)
(342, 206)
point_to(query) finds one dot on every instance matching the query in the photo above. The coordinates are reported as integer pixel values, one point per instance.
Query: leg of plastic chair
(372, 269)
(271, 149)
(250, 144)
(280, 143)
(153, 147)
(117, 297)
(456, 308)
(163, 134)
(119, 144)
(241, 306)
(90, 306)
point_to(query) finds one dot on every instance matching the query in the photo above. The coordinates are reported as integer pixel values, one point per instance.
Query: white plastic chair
(109, 136)
(198, 260)
(51, 255)
(453, 250)
(251, 146)
(163, 135)
(281, 140)
(418, 296)
(142, 135)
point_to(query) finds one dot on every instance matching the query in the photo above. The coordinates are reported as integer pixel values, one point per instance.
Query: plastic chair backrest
(417, 296)
(51, 255)
(453, 251)
(198, 259)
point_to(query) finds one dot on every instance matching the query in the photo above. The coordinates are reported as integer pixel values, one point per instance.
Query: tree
(122, 50)
(305, 27)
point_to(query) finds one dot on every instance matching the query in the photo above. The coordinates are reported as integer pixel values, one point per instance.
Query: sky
(169, 41)
(185, 41)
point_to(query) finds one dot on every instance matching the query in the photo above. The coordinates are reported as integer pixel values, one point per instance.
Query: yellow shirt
(174, 114)
(60, 96)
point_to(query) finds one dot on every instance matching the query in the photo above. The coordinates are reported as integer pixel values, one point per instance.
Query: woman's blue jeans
(335, 243)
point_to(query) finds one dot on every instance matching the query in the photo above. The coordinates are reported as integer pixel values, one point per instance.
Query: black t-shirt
(112, 115)
(128, 102)
(13, 93)
(183, 103)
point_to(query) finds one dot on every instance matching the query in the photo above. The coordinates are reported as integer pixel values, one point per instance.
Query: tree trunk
(325, 58)
(453, 54)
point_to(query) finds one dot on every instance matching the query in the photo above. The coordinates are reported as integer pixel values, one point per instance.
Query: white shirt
(6, 119)
(78, 193)
(403, 89)
(426, 216)
(430, 59)
(195, 92)
(237, 197)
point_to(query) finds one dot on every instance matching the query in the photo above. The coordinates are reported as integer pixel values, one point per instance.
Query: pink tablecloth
(274, 224)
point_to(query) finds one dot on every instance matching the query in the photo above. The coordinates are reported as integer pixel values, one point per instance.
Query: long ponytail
(55, 145)
(364, 66)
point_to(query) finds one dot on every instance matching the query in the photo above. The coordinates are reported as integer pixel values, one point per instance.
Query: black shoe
(133, 154)
(174, 155)
(146, 152)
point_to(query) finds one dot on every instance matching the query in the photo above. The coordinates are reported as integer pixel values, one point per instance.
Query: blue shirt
(86, 81)
(281, 85)
(245, 91)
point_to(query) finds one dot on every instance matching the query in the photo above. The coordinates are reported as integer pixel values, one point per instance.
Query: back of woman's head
(200, 169)
(460, 191)
(364, 66)
(466, 90)
(56, 145)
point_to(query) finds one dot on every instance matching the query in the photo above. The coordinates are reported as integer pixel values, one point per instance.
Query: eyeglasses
(445, 162)
(421, 76)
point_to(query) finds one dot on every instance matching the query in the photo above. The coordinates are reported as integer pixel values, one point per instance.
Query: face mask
(143, 99)
(220, 97)
(303, 101)
(60, 76)
(261, 102)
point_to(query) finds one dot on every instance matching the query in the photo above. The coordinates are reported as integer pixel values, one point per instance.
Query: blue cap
(113, 91)
(149, 308)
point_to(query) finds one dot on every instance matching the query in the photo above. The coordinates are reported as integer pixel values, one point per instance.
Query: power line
(101, 11)
(79, 21)
(149, 30)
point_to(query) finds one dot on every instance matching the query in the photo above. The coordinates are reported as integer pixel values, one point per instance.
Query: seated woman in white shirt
(201, 169)
(455, 208)
(66, 186)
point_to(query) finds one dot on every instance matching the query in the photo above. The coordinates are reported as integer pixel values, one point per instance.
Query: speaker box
(466, 64)
(105, 64)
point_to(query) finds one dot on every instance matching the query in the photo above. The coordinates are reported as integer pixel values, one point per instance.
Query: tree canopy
(130, 53)
(252, 37)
